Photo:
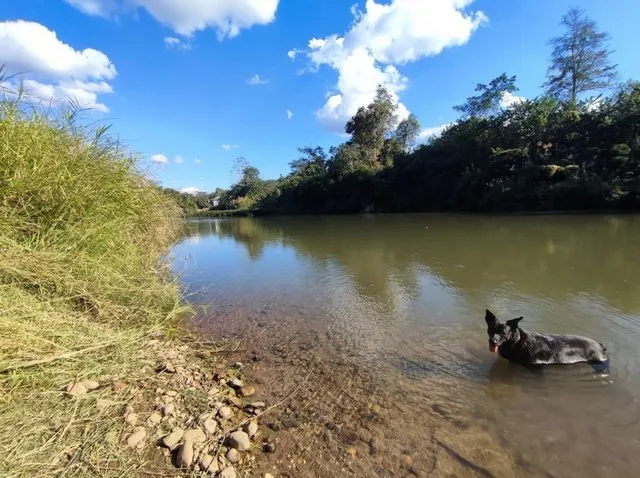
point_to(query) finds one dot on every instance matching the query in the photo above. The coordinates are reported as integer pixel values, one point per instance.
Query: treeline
(563, 150)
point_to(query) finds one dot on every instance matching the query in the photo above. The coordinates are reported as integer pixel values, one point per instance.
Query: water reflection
(404, 295)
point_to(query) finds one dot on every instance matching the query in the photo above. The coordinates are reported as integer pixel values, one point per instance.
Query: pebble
(239, 440)
(251, 429)
(208, 464)
(90, 384)
(155, 418)
(225, 412)
(171, 393)
(269, 447)
(168, 409)
(232, 456)
(135, 439)
(76, 389)
(258, 404)
(184, 458)
(268, 475)
(118, 386)
(236, 383)
(210, 425)
(159, 391)
(166, 367)
(172, 439)
(229, 472)
(247, 391)
(195, 435)
(352, 451)
(131, 418)
(407, 459)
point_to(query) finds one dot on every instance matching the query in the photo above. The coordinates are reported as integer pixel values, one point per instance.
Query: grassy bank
(82, 284)
(229, 213)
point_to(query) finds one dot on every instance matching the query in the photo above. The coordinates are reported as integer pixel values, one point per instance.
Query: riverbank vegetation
(574, 147)
(82, 285)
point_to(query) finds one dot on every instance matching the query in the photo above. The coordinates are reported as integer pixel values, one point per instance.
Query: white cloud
(293, 53)
(159, 159)
(433, 132)
(177, 43)
(197, 161)
(256, 80)
(382, 37)
(178, 160)
(228, 147)
(190, 190)
(289, 114)
(509, 99)
(227, 17)
(52, 70)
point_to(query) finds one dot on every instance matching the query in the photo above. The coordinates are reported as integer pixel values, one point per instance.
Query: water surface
(394, 307)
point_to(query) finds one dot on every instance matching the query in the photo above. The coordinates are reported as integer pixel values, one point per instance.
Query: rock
(239, 440)
(168, 409)
(90, 384)
(166, 367)
(233, 456)
(212, 391)
(207, 463)
(159, 391)
(196, 435)
(184, 457)
(258, 404)
(118, 386)
(103, 404)
(171, 393)
(407, 460)
(235, 402)
(137, 437)
(172, 439)
(269, 448)
(247, 391)
(251, 429)
(228, 472)
(352, 451)
(203, 417)
(236, 383)
(225, 413)
(155, 418)
(76, 389)
(268, 475)
(210, 426)
(131, 418)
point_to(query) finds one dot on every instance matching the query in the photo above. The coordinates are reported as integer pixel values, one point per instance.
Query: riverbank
(96, 366)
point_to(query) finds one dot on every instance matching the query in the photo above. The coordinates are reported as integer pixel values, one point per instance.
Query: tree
(490, 98)
(407, 133)
(370, 125)
(579, 60)
(313, 161)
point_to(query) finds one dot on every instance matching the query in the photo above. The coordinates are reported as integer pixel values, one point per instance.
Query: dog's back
(539, 349)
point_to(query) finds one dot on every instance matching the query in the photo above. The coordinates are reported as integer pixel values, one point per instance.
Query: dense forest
(574, 147)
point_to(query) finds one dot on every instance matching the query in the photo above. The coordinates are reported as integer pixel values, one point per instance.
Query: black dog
(529, 348)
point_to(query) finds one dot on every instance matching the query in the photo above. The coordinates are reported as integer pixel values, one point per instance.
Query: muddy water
(377, 324)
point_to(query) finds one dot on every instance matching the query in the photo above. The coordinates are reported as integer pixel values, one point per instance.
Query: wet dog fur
(531, 349)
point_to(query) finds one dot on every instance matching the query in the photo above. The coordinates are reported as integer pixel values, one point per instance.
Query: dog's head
(501, 332)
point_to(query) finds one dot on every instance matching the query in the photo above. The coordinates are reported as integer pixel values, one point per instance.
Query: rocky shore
(187, 412)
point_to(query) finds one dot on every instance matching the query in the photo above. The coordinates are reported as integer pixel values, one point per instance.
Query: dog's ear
(513, 323)
(490, 317)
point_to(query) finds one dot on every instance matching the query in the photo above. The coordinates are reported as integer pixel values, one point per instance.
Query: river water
(377, 322)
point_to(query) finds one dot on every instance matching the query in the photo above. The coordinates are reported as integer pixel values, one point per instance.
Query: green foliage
(579, 60)
(488, 101)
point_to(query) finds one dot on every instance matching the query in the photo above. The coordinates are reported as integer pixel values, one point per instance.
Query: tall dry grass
(83, 279)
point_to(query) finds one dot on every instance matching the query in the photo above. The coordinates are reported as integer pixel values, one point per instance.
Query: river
(377, 322)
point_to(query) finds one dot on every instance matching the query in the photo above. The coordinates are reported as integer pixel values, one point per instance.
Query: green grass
(83, 281)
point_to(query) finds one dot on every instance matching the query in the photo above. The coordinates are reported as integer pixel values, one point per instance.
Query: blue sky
(173, 77)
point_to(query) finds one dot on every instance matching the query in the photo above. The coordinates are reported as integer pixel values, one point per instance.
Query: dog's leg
(600, 367)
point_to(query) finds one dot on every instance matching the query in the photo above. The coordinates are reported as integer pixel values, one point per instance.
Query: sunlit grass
(83, 281)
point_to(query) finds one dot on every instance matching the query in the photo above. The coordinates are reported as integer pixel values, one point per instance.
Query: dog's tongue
(493, 348)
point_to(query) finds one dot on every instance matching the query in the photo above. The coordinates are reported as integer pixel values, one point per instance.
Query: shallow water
(400, 299)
